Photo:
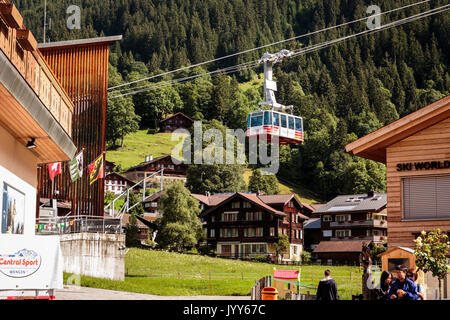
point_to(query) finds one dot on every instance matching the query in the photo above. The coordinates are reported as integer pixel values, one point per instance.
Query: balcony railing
(369, 238)
(360, 223)
(80, 224)
(20, 47)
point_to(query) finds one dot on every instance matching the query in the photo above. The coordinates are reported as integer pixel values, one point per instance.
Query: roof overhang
(373, 146)
(24, 116)
(79, 42)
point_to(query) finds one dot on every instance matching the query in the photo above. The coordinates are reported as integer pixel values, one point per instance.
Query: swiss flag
(54, 169)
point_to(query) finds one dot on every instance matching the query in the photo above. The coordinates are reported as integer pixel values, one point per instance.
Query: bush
(305, 256)
(205, 250)
(261, 258)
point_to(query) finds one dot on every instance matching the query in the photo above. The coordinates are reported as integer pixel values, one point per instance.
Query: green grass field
(171, 274)
(140, 144)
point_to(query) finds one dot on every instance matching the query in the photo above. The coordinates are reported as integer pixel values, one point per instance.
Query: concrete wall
(95, 255)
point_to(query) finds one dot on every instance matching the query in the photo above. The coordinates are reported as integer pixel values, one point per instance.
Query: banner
(30, 262)
(54, 169)
(96, 170)
(76, 167)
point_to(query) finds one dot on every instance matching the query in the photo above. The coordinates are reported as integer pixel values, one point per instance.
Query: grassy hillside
(171, 274)
(303, 194)
(139, 145)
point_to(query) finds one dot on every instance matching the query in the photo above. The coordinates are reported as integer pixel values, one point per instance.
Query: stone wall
(93, 254)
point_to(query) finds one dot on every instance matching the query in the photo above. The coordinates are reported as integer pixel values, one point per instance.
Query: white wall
(18, 169)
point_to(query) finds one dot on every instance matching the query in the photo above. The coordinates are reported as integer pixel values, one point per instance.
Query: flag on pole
(54, 169)
(96, 170)
(76, 167)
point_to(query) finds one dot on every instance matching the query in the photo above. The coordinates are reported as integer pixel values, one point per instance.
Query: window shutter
(443, 196)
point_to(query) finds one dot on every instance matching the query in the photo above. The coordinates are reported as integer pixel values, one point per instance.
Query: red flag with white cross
(54, 169)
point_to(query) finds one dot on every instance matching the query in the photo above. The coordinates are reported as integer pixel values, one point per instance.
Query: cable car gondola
(270, 123)
(267, 123)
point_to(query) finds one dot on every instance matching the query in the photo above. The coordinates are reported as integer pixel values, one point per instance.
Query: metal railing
(80, 224)
(110, 208)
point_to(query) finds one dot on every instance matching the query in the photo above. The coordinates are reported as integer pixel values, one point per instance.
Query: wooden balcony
(33, 104)
(354, 238)
(359, 224)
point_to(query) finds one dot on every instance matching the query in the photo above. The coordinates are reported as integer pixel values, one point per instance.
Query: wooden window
(327, 233)
(272, 231)
(229, 216)
(212, 233)
(247, 205)
(426, 197)
(235, 205)
(343, 233)
(327, 218)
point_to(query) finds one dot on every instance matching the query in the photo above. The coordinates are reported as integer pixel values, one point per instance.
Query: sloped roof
(349, 203)
(153, 197)
(143, 164)
(396, 248)
(120, 176)
(217, 200)
(373, 146)
(339, 246)
(313, 223)
(177, 114)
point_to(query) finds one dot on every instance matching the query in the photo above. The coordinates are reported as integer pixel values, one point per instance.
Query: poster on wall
(13, 210)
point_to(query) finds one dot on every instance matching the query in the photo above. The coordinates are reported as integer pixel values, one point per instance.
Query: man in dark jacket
(327, 290)
(403, 288)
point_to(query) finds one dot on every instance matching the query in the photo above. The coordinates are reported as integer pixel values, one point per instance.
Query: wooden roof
(340, 246)
(176, 115)
(373, 146)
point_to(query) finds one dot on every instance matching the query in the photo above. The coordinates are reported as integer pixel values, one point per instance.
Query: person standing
(327, 289)
(402, 288)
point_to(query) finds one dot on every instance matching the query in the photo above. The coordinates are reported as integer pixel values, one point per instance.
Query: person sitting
(385, 285)
(402, 288)
(413, 276)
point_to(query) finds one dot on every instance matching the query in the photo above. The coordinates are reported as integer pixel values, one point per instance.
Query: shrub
(261, 258)
(305, 256)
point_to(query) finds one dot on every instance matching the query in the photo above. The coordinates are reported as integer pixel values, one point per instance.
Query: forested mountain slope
(343, 92)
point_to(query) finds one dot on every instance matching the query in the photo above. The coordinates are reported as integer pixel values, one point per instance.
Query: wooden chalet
(244, 225)
(177, 121)
(117, 183)
(172, 171)
(354, 217)
(416, 151)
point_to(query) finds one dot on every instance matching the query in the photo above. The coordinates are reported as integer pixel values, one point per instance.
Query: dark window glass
(291, 123)
(283, 121)
(298, 124)
(276, 119)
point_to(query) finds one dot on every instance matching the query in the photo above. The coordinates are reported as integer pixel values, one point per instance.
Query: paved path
(84, 293)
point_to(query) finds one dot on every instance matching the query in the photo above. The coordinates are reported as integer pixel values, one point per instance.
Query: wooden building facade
(81, 66)
(416, 151)
(177, 121)
(243, 225)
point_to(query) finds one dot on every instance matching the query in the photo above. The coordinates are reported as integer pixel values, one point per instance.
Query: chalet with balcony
(117, 183)
(172, 172)
(177, 121)
(355, 217)
(244, 225)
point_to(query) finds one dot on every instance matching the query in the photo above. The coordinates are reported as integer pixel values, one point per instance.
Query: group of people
(401, 284)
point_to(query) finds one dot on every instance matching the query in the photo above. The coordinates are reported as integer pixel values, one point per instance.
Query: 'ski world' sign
(20, 264)
(428, 165)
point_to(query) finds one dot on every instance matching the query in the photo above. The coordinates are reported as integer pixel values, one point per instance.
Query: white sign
(30, 262)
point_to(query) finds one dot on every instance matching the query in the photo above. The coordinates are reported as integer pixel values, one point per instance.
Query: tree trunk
(440, 288)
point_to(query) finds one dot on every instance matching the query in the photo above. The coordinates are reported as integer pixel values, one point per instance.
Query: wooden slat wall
(83, 72)
(431, 144)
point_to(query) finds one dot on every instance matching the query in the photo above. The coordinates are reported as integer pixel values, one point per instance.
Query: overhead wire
(302, 51)
(267, 45)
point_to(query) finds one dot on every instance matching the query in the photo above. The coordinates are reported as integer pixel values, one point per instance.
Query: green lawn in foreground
(140, 144)
(171, 274)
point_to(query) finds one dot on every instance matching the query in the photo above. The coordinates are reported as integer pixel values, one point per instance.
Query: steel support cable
(267, 45)
(303, 51)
